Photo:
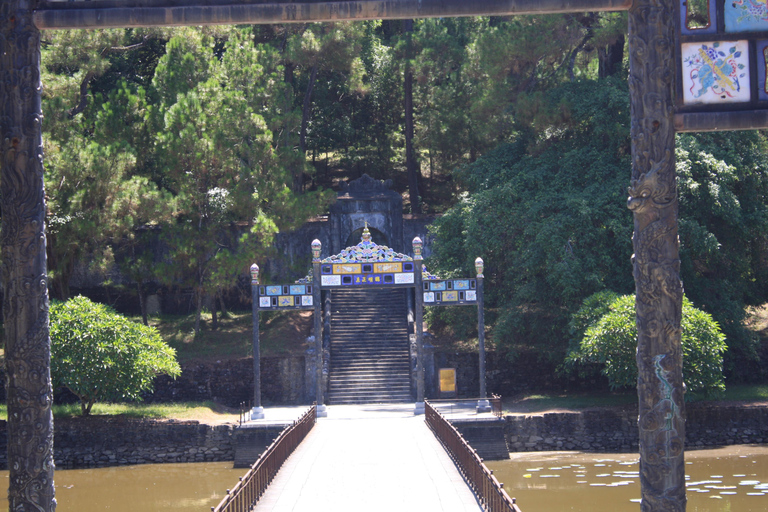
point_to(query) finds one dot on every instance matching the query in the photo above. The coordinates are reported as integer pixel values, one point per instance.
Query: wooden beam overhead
(721, 121)
(54, 15)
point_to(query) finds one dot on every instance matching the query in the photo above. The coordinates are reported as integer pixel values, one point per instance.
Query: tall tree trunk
(214, 316)
(142, 301)
(411, 165)
(198, 308)
(224, 311)
(610, 58)
(656, 262)
(25, 307)
(298, 176)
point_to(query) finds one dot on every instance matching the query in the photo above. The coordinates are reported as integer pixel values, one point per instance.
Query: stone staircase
(370, 348)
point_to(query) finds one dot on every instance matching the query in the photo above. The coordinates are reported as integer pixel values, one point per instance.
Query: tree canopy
(101, 356)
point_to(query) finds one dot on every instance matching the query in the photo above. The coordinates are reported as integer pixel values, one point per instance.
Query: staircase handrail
(252, 485)
(486, 487)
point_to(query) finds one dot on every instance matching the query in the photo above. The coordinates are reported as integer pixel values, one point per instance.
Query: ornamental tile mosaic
(715, 72)
(367, 252)
(745, 15)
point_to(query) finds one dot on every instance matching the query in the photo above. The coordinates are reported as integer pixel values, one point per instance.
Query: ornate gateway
(366, 266)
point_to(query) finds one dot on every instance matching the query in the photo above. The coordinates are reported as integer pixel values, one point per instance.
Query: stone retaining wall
(615, 429)
(102, 442)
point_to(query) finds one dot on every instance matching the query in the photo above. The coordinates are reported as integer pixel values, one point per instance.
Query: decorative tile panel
(745, 15)
(715, 72)
(265, 302)
(274, 290)
(429, 296)
(330, 280)
(306, 300)
(404, 278)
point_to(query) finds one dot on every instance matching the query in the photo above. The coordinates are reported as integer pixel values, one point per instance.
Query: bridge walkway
(372, 458)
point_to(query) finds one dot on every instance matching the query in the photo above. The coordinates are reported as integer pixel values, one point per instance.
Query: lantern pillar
(318, 328)
(257, 412)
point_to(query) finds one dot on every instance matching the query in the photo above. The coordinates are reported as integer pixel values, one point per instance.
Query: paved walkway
(372, 458)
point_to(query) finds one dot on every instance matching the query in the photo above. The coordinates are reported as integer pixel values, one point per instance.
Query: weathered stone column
(483, 405)
(653, 200)
(25, 306)
(318, 329)
(419, 321)
(257, 412)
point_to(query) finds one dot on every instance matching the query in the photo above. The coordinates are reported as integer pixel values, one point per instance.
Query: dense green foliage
(102, 356)
(546, 212)
(176, 156)
(611, 341)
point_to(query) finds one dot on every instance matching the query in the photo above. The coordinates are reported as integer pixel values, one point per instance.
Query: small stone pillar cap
(479, 267)
(417, 246)
(317, 246)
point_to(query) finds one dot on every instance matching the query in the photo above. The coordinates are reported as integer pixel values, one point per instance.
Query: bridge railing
(251, 487)
(486, 487)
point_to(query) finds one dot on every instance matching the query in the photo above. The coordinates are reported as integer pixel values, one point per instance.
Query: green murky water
(727, 479)
(149, 487)
(734, 478)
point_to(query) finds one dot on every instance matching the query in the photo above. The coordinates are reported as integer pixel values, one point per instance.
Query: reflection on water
(148, 487)
(720, 480)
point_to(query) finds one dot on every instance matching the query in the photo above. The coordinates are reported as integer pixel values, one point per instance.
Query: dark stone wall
(228, 382)
(528, 372)
(101, 442)
(615, 430)
(231, 382)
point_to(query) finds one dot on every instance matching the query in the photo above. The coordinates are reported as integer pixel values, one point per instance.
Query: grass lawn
(281, 333)
(205, 412)
(534, 403)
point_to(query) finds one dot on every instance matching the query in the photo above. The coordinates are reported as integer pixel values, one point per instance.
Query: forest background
(514, 129)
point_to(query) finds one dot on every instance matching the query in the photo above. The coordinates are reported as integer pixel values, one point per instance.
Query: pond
(723, 479)
(148, 487)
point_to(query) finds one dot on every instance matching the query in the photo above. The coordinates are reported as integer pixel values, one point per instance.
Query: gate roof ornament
(367, 252)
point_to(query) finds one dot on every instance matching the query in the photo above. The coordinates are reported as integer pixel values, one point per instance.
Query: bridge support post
(317, 303)
(257, 412)
(656, 263)
(25, 281)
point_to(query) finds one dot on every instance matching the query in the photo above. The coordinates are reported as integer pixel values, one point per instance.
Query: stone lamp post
(419, 321)
(483, 405)
(257, 412)
(317, 247)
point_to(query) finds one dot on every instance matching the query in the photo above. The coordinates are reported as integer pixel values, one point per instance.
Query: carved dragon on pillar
(25, 305)
(656, 264)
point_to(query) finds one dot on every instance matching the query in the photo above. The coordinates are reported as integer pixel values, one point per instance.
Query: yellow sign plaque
(447, 380)
(285, 300)
(347, 268)
(383, 268)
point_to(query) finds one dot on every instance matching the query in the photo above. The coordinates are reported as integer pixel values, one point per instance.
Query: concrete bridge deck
(373, 458)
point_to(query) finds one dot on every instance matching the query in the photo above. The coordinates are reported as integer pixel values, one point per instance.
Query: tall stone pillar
(653, 201)
(419, 321)
(25, 306)
(318, 327)
(257, 412)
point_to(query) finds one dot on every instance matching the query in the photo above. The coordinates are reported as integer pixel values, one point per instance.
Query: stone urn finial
(254, 274)
(316, 248)
(366, 233)
(417, 246)
(479, 267)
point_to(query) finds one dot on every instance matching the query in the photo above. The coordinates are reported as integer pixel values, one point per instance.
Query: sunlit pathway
(355, 460)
